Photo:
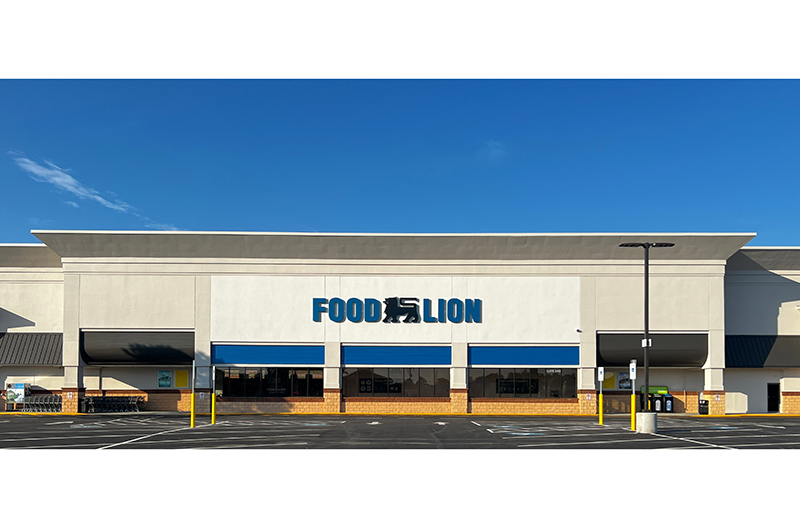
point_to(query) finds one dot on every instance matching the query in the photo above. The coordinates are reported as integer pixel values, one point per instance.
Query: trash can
(658, 403)
(668, 403)
(703, 406)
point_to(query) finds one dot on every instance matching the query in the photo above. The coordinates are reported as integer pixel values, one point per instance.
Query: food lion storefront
(376, 323)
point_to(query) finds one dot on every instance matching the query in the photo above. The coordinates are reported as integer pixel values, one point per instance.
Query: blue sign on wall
(268, 354)
(399, 310)
(524, 355)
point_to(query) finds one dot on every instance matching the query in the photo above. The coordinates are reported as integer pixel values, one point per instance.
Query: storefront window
(476, 383)
(411, 383)
(396, 382)
(522, 383)
(268, 382)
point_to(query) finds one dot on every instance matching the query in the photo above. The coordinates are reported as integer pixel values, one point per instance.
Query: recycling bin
(703, 406)
(668, 403)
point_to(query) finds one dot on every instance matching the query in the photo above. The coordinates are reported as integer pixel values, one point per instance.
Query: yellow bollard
(633, 412)
(192, 410)
(600, 408)
(213, 408)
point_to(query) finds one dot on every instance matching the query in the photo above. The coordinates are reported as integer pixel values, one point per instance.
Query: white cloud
(55, 175)
(162, 227)
(492, 150)
(62, 180)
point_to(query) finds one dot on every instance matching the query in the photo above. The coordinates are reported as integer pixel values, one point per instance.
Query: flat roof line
(23, 244)
(772, 247)
(332, 234)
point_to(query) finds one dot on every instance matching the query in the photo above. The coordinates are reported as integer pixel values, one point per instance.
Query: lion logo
(397, 307)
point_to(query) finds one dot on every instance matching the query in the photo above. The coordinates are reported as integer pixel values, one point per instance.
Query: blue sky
(401, 156)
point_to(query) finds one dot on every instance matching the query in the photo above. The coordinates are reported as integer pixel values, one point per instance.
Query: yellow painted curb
(23, 413)
(403, 414)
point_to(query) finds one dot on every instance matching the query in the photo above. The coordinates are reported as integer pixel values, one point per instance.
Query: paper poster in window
(164, 378)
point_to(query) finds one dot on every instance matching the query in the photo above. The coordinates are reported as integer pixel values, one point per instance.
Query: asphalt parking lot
(172, 431)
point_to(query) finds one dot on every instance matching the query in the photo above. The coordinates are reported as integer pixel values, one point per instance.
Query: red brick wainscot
(396, 405)
(313, 405)
(525, 406)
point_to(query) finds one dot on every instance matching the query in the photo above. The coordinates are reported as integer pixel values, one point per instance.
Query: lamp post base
(646, 422)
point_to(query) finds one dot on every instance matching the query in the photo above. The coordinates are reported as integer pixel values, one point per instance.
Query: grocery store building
(399, 323)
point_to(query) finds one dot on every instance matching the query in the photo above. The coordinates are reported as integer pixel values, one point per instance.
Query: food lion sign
(398, 310)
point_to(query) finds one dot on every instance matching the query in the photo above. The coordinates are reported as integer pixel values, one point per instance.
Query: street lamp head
(647, 244)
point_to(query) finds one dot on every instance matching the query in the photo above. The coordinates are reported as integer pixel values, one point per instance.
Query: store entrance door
(773, 397)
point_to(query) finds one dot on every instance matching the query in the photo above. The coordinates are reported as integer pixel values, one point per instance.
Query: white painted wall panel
(31, 307)
(50, 378)
(526, 309)
(762, 307)
(136, 301)
(753, 383)
(676, 303)
(383, 287)
(279, 309)
(265, 309)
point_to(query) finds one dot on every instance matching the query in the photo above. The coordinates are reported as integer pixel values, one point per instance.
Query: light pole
(646, 341)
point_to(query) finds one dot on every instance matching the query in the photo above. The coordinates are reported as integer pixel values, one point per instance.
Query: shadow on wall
(754, 309)
(12, 320)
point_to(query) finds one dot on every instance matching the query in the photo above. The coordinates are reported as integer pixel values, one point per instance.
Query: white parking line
(762, 445)
(148, 436)
(628, 440)
(690, 440)
(476, 423)
(771, 426)
(56, 423)
(240, 446)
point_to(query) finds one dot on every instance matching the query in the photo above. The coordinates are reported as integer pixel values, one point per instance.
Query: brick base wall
(525, 406)
(333, 400)
(686, 402)
(620, 403)
(616, 403)
(163, 400)
(588, 400)
(71, 404)
(396, 405)
(715, 406)
(790, 402)
(459, 401)
(271, 405)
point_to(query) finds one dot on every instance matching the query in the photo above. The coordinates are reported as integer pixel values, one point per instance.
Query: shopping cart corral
(111, 404)
(47, 403)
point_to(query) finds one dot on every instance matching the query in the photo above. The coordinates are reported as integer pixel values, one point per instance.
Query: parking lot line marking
(202, 442)
(32, 439)
(240, 446)
(148, 436)
(762, 445)
(690, 440)
(56, 423)
(771, 426)
(557, 444)
(476, 423)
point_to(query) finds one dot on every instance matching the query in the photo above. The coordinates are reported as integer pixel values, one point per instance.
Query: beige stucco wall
(136, 301)
(31, 300)
(49, 378)
(676, 302)
(762, 303)
(118, 378)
